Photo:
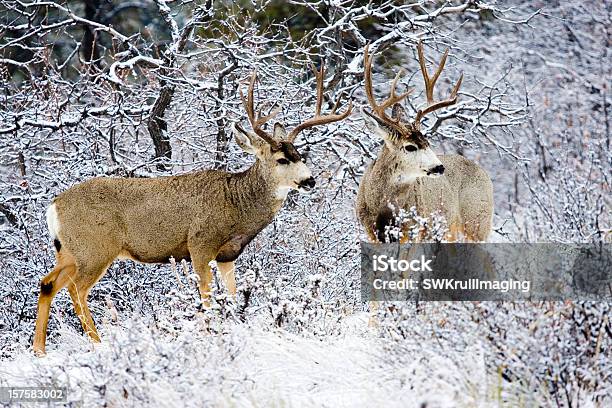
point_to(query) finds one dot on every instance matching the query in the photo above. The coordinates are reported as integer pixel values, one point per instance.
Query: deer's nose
(307, 183)
(437, 170)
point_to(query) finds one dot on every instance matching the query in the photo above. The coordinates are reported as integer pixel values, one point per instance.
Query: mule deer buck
(202, 216)
(408, 173)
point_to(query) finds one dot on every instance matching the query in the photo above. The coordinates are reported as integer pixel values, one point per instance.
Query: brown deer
(407, 173)
(202, 216)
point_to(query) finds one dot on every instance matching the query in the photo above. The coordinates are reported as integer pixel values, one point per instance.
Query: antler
(258, 121)
(379, 109)
(430, 82)
(319, 119)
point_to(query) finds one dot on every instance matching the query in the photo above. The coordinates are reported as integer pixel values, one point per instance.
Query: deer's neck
(390, 182)
(254, 190)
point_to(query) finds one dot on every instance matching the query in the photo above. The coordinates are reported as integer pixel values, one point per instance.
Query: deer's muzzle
(436, 171)
(307, 184)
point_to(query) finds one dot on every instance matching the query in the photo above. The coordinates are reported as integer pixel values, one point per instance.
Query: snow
(439, 356)
(248, 366)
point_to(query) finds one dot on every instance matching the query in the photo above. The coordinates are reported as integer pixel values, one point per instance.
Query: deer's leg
(200, 259)
(478, 231)
(373, 320)
(471, 231)
(203, 248)
(227, 255)
(203, 270)
(91, 266)
(78, 293)
(455, 232)
(228, 275)
(58, 278)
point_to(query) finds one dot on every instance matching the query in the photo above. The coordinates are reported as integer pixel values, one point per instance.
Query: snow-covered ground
(248, 366)
(436, 357)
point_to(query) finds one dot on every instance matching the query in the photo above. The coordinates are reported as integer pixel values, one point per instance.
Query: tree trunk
(158, 127)
(89, 48)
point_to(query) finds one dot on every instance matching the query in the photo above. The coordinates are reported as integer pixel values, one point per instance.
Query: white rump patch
(53, 221)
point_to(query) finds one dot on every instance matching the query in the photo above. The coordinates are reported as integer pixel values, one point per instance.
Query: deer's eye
(283, 161)
(410, 148)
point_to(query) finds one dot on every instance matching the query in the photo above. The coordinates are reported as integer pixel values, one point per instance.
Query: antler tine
(442, 104)
(257, 122)
(337, 104)
(367, 78)
(430, 83)
(248, 102)
(261, 120)
(319, 119)
(379, 109)
(393, 98)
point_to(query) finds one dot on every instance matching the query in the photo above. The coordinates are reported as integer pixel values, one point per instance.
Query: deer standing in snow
(407, 173)
(201, 216)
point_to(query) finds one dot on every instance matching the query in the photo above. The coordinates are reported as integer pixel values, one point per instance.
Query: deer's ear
(280, 133)
(374, 126)
(249, 143)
